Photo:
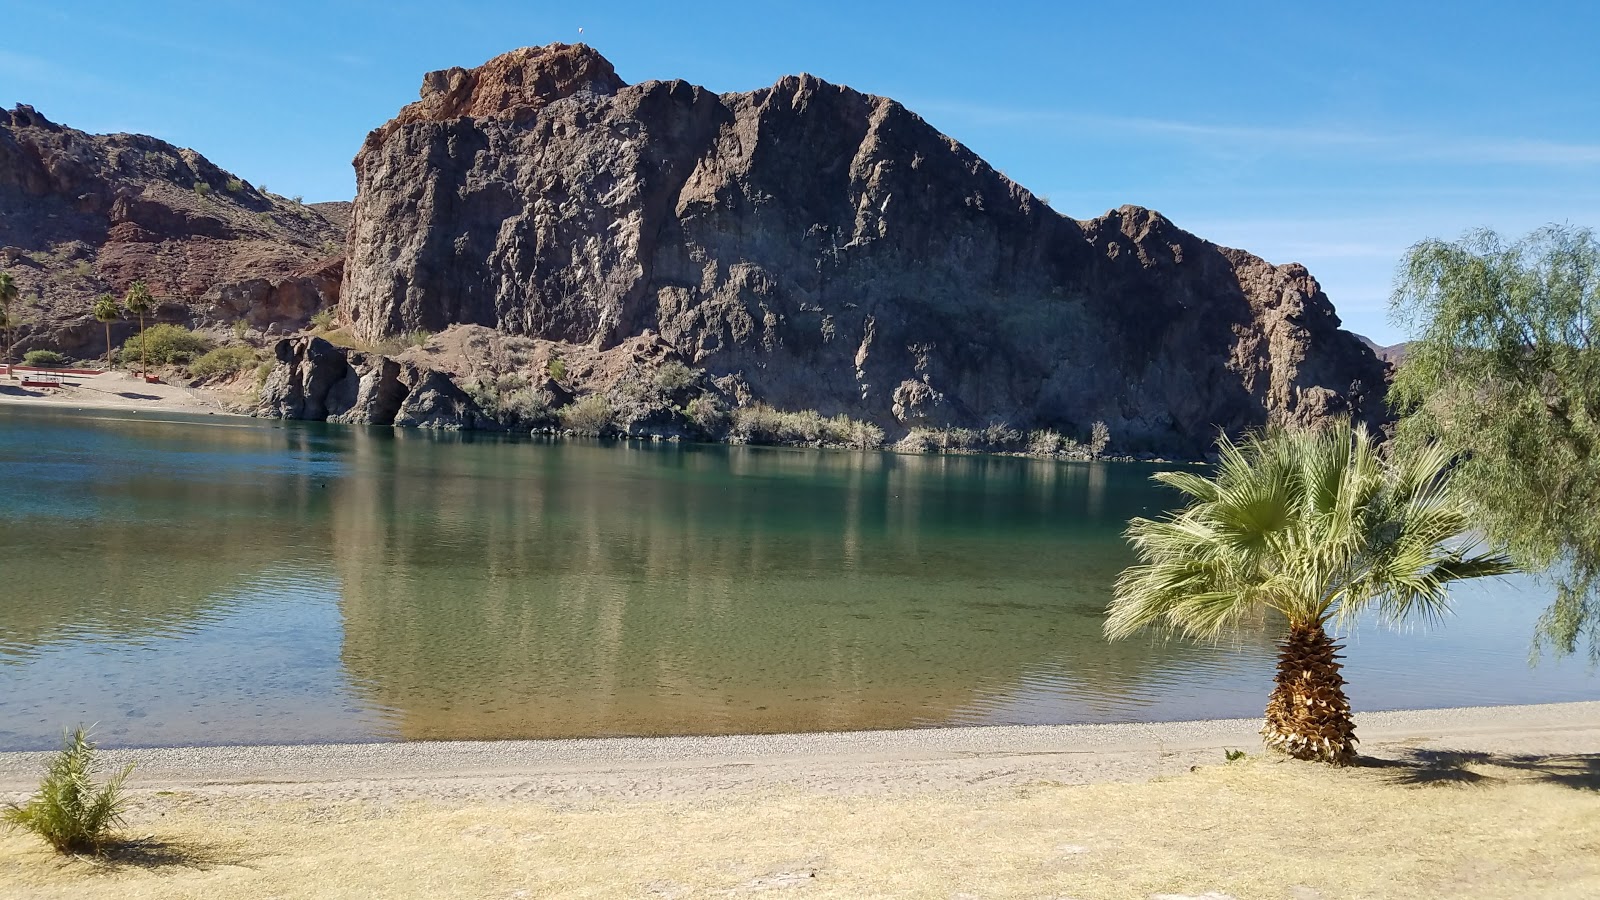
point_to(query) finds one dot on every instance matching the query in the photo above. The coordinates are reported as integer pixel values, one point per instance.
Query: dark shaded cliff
(819, 248)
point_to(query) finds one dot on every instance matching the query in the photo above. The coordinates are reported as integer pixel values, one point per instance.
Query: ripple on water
(288, 583)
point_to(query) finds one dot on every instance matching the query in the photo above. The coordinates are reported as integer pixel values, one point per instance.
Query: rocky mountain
(83, 214)
(1394, 354)
(813, 247)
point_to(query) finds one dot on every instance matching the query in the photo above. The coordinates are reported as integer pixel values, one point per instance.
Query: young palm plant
(1313, 527)
(67, 811)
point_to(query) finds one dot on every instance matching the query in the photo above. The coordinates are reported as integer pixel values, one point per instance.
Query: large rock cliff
(820, 248)
(84, 214)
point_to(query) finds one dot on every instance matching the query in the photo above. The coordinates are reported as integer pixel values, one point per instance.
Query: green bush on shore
(168, 345)
(223, 362)
(590, 415)
(43, 359)
(761, 424)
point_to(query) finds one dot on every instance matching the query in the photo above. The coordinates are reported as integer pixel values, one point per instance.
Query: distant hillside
(1394, 354)
(84, 214)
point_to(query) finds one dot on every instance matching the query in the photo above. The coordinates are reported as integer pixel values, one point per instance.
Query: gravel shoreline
(1115, 751)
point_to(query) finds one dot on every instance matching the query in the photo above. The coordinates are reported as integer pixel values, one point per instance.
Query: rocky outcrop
(83, 214)
(315, 380)
(827, 250)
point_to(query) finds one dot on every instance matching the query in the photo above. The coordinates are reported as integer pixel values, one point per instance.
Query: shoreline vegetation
(672, 404)
(1089, 810)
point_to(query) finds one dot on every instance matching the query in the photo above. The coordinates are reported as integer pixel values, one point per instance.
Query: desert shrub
(322, 320)
(758, 424)
(202, 189)
(674, 376)
(918, 440)
(43, 359)
(629, 388)
(329, 248)
(223, 362)
(847, 432)
(234, 185)
(1044, 443)
(526, 407)
(240, 329)
(557, 369)
(1000, 436)
(418, 338)
(83, 267)
(510, 382)
(761, 424)
(962, 439)
(1099, 438)
(298, 200)
(708, 415)
(68, 812)
(167, 344)
(589, 415)
(264, 371)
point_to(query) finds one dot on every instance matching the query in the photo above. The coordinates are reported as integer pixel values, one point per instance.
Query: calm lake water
(227, 581)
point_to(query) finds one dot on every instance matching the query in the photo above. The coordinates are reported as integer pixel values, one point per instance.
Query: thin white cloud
(1233, 139)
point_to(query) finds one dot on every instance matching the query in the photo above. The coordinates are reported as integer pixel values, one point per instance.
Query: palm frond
(1313, 524)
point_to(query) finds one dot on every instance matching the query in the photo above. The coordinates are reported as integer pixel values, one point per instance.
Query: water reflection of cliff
(582, 590)
(125, 530)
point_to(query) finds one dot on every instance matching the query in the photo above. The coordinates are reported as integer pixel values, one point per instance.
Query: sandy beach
(111, 390)
(1486, 802)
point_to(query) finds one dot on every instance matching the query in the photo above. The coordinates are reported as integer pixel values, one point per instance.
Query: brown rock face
(831, 250)
(82, 215)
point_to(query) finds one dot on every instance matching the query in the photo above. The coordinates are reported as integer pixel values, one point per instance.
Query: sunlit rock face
(831, 250)
(88, 214)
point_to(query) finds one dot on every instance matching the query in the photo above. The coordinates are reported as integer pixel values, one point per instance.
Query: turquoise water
(213, 581)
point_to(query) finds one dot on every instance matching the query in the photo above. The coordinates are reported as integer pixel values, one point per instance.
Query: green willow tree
(1311, 529)
(105, 312)
(1504, 371)
(139, 302)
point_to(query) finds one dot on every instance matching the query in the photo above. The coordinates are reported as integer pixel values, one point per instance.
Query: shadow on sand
(155, 854)
(1470, 767)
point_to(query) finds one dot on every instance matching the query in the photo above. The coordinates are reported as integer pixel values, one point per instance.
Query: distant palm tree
(1312, 526)
(8, 321)
(106, 312)
(8, 296)
(139, 302)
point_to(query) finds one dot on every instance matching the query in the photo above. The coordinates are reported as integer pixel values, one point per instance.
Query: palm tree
(138, 302)
(8, 296)
(8, 321)
(1316, 528)
(106, 312)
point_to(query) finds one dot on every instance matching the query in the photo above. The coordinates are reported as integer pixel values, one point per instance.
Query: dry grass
(1438, 825)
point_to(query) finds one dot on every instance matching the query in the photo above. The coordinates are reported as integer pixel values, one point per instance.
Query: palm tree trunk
(144, 365)
(108, 346)
(1308, 716)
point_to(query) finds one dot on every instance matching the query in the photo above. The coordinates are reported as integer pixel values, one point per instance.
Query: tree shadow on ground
(1415, 766)
(157, 854)
(17, 391)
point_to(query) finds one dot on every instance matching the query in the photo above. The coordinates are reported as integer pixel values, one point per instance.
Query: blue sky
(1333, 134)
